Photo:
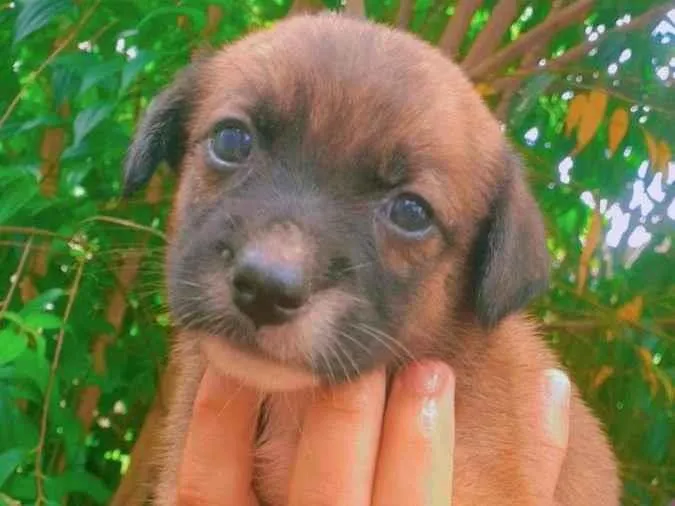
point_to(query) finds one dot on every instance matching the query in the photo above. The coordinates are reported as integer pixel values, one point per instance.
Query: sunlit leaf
(45, 321)
(663, 156)
(11, 345)
(618, 127)
(631, 311)
(591, 118)
(574, 112)
(602, 375)
(592, 240)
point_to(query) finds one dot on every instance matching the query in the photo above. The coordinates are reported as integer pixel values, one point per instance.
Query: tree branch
(405, 12)
(455, 32)
(304, 7)
(17, 277)
(580, 50)
(574, 13)
(356, 8)
(39, 477)
(501, 18)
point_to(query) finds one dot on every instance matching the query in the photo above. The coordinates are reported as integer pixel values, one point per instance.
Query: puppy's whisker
(392, 340)
(384, 342)
(356, 342)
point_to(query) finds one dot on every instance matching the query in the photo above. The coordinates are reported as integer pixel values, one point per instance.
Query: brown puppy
(347, 201)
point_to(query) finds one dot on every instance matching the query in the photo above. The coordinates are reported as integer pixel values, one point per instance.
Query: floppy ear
(161, 135)
(512, 259)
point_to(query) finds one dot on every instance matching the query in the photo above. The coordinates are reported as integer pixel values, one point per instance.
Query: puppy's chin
(286, 353)
(257, 372)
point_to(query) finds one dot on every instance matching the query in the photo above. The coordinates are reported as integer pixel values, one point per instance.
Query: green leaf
(38, 303)
(30, 366)
(45, 321)
(15, 198)
(11, 345)
(37, 13)
(98, 73)
(81, 482)
(89, 119)
(9, 461)
(134, 67)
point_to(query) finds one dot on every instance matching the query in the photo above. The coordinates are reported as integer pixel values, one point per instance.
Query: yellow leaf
(574, 113)
(591, 118)
(618, 126)
(592, 241)
(663, 156)
(652, 148)
(602, 375)
(631, 311)
(485, 89)
(648, 369)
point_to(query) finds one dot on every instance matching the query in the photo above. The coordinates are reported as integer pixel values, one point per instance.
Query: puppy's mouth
(277, 348)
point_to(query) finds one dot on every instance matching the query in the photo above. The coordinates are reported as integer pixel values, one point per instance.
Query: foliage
(83, 321)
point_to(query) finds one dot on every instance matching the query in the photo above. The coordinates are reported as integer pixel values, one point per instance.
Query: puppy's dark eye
(410, 213)
(230, 144)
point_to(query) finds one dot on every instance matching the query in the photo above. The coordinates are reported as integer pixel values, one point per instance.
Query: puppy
(346, 201)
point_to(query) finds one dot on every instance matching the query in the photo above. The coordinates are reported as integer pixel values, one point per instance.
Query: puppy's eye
(410, 213)
(230, 144)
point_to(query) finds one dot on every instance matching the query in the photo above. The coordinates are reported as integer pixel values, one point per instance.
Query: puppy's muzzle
(270, 275)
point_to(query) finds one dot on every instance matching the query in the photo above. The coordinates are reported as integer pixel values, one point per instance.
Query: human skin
(360, 446)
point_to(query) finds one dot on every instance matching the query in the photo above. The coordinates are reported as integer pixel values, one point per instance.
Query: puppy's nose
(266, 289)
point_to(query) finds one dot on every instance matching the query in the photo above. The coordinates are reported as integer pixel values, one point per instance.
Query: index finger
(218, 459)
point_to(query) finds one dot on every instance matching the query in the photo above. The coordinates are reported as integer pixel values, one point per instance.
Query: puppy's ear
(512, 259)
(161, 135)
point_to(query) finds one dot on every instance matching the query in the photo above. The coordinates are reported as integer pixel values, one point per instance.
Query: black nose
(268, 290)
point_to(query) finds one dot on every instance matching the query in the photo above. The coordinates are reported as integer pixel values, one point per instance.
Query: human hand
(401, 454)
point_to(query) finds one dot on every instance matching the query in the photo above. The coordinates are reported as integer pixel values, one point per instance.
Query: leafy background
(584, 87)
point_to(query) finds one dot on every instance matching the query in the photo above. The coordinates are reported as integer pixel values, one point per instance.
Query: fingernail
(556, 399)
(426, 379)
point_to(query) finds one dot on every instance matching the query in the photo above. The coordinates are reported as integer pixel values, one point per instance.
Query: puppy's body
(346, 179)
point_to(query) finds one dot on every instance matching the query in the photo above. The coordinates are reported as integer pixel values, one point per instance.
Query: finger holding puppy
(415, 463)
(337, 453)
(217, 462)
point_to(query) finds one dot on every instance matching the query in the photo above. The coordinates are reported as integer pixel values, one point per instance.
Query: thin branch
(576, 12)
(580, 50)
(502, 17)
(39, 477)
(457, 27)
(127, 224)
(530, 58)
(17, 277)
(34, 75)
(405, 12)
(587, 324)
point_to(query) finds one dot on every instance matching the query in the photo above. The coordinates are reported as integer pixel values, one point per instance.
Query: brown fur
(365, 106)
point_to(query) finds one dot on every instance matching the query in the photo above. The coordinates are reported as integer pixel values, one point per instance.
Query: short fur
(346, 113)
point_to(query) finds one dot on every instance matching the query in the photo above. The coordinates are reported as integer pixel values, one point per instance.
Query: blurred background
(585, 89)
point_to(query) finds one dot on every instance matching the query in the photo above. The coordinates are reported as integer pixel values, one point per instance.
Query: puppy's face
(345, 201)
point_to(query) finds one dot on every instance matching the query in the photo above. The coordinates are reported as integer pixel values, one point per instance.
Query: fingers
(416, 456)
(554, 428)
(217, 459)
(336, 457)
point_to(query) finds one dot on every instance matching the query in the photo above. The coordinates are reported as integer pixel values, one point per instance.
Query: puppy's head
(346, 200)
